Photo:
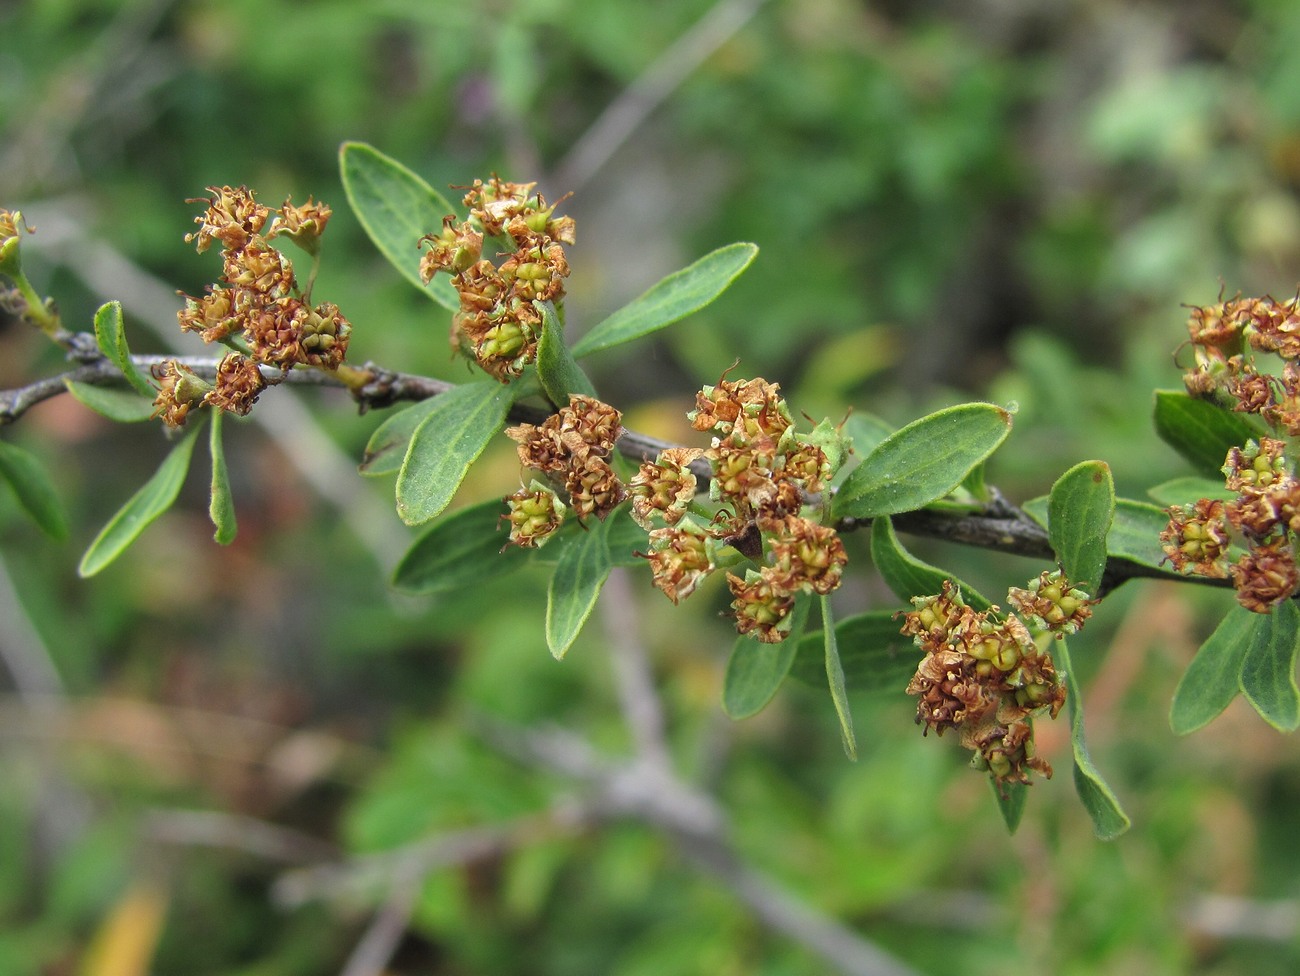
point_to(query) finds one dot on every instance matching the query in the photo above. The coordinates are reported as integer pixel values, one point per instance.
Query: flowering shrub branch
(762, 504)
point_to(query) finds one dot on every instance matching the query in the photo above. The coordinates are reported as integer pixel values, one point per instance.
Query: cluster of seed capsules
(498, 324)
(985, 675)
(257, 309)
(763, 476)
(1249, 538)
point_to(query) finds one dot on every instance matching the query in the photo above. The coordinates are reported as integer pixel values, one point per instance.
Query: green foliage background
(952, 200)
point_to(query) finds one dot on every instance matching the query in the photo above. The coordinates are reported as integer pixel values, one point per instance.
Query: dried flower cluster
(984, 674)
(499, 323)
(763, 474)
(1231, 339)
(1263, 518)
(572, 448)
(258, 308)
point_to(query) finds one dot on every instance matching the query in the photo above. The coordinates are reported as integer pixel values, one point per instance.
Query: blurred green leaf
(448, 440)
(670, 300)
(558, 371)
(908, 576)
(1135, 532)
(1080, 509)
(835, 678)
(922, 462)
(387, 446)
(34, 489)
(1108, 819)
(579, 575)
(1268, 668)
(111, 337)
(221, 508)
(154, 497)
(1200, 431)
(396, 207)
(459, 551)
(123, 406)
(1213, 679)
(755, 670)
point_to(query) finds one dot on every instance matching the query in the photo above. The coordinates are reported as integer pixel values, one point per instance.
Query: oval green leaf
(396, 207)
(681, 294)
(755, 670)
(1108, 818)
(1200, 431)
(1268, 667)
(462, 550)
(221, 505)
(34, 489)
(387, 446)
(1188, 489)
(924, 461)
(558, 371)
(1135, 532)
(123, 406)
(875, 657)
(835, 678)
(154, 497)
(579, 575)
(1213, 679)
(445, 444)
(111, 338)
(908, 576)
(1079, 512)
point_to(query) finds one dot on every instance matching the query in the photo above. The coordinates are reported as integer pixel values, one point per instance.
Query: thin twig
(637, 694)
(211, 828)
(385, 932)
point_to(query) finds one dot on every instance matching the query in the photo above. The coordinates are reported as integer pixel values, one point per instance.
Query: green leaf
(221, 507)
(111, 337)
(123, 406)
(1079, 512)
(558, 371)
(755, 670)
(579, 575)
(1108, 819)
(1187, 490)
(924, 461)
(1213, 679)
(1268, 668)
(460, 551)
(154, 497)
(876, 658)
(445, 444)
(908, 576)
(34, 489)
(670, 300)
(1200, 431)
(1011, 799)
(835, 678)
(1135, 532)
(388, 445)
(396, 207)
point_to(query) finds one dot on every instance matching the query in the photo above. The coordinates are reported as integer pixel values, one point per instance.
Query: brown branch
(998, 526)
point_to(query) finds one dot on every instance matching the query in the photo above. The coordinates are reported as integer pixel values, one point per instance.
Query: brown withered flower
(233, 217)
(1196, 539)
(239, 384)
(680, 557)
(1052, 603)
(180, 390)
(805, 555)
(761, 607)
(1265, 576)
(664, 488)
(303, 224)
